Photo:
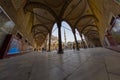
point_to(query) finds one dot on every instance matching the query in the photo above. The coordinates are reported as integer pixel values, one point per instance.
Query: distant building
(70, 45)
(54, 42)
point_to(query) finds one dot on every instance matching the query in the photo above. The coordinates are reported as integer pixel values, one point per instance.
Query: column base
(60, 52)
(77, 49)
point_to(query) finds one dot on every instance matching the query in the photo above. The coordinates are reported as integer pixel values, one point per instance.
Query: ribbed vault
(76, 12)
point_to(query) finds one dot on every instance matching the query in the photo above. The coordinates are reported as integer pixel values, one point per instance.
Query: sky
(69, 34)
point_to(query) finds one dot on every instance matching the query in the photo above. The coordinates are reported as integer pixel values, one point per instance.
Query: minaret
(65, 36)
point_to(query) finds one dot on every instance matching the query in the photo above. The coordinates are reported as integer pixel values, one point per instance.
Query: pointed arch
(85, 16)
(31, 5)
(95, 26)
(91, 31)
(40, 33)
(39, 25)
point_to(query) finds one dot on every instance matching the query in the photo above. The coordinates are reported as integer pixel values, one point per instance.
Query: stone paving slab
(86, 64)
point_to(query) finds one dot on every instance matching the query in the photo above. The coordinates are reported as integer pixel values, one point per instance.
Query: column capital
(59, 23)
(73, 31)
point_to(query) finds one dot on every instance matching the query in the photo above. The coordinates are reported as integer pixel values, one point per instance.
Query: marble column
(77, 47)
(46, 44)
(86, 39)
(49, 49)
(82, 41)
(60, 50)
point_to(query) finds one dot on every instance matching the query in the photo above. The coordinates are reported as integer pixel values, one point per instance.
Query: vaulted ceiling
(76, 12)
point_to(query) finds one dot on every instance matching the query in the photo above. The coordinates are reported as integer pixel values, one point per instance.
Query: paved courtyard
(86, 64)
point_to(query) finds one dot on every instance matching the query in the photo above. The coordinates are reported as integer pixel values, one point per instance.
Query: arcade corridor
(35, 43)
(87, 64)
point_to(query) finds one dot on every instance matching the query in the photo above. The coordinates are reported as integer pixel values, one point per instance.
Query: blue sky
(69, 34)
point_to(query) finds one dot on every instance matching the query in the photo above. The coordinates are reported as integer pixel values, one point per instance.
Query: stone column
(49, 49)
(60, 50)
(77, 47)
(82, 40)
(86, 42)
(46, 44)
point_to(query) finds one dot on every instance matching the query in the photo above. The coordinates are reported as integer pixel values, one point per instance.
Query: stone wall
(22, 20)
(104, 10)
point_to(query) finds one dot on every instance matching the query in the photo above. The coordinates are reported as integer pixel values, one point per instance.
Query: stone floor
(87, 64)
(115, 48)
